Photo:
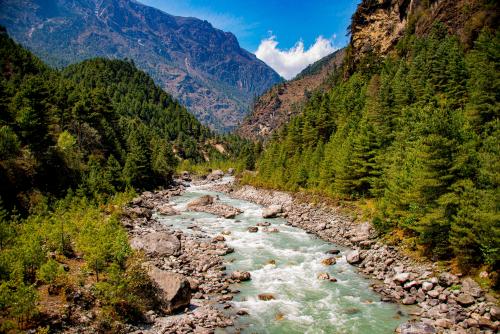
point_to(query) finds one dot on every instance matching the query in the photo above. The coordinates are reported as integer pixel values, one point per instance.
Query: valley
(156, 177)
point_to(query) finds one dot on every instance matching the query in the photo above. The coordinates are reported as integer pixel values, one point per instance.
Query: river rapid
(286, 264)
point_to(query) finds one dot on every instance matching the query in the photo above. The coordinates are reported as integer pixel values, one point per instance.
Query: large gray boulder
(157, 244)
(272, 211)
(174, 289)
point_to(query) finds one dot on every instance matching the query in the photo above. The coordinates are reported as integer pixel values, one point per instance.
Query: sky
(287, 35)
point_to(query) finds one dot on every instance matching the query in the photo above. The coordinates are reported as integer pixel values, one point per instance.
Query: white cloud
(288, 63)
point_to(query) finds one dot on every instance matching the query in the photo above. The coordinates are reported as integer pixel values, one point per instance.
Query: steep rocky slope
(202, 66)
(285, 100)
(377, 25)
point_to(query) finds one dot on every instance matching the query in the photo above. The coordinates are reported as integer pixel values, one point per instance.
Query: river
(286, 265)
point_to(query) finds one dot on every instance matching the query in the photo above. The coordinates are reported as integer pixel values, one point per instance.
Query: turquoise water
(286, 264)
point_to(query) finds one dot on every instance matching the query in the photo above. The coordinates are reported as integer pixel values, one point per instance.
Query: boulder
(362, 232)
(415, 327)
(185, 176)
(409, 300)
(174, 290)
(157, 244)
(272, 211)
(138, 212)
(323, 276)
(495, 313)
(270, 230)
(329, 261)
(215, 175)
(266, 296)
(167, 210)
(241, 276)
(219, 238)
(433, 293)
(333, 251)
(401, 277)
(465, 299)
(447, 279)
(263, 224)
(470, 287)
(201, 201)
(253, 229)
(443, 323)
(353, 257)
(427, 286)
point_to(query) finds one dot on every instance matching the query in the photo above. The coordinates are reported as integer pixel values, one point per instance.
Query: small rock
(465, 299)
(447, 279)
(353, 257)
(272, 211)
(427, 286)
(409, 300)
(443, 323)
(401, 277)
(495, 313)
(241, 276)
(323, 276)
(333, 251)
(329, 261)
(253, 229)
(219, 238)
(242, 312)
(266, 296)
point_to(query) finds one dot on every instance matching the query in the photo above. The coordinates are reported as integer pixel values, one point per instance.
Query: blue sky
(286, 34)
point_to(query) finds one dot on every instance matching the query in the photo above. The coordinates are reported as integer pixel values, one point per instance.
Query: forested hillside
(74, 146)
(417, 132)
(98, 126)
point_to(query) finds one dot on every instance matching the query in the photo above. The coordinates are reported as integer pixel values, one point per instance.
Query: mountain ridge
(204, 67)
(280, 103)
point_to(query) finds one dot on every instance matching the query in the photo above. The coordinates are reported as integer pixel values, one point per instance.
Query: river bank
(443, 303)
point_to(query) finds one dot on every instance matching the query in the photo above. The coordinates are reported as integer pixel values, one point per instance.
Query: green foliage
(50, 271)
(99, 126)
(419, 133)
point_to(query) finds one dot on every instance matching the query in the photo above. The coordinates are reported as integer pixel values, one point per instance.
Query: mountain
(205, 68)
(275, 107)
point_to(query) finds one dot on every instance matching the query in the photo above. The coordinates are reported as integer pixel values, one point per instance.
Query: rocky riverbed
(196, 291)
(446, 303)
(187, 270)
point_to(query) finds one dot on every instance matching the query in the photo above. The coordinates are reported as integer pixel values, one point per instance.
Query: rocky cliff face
(202, 66)
(285, 100)
(377, 25)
